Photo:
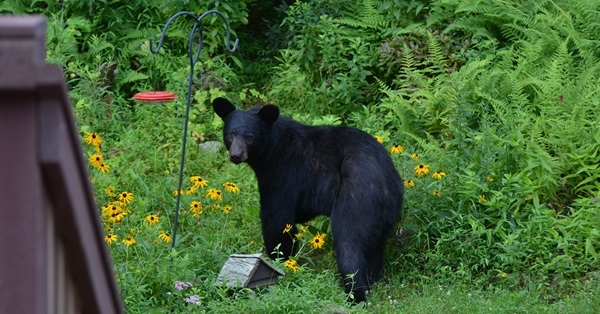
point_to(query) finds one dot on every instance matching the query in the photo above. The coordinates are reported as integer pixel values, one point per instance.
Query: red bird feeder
(157, 97)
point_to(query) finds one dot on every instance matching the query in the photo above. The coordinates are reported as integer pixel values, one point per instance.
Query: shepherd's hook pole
(195, 32)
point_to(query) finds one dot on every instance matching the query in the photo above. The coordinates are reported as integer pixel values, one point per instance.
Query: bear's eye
(230, 137)
(249, 138)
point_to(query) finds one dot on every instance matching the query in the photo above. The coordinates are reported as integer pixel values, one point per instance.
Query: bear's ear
(269, 113)
(222, 107)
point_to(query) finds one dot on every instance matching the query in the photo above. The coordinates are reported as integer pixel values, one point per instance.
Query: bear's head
(245, 132)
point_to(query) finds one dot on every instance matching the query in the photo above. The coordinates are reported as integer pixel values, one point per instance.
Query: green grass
(147, 277)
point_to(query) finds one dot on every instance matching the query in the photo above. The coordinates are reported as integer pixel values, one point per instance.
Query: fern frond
(128, 76)
(365, 15)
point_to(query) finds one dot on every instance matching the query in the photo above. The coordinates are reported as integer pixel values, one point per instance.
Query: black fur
(305, 171)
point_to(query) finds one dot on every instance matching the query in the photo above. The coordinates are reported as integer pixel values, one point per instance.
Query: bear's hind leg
(352, 262)
(353, 271)
(375, 261)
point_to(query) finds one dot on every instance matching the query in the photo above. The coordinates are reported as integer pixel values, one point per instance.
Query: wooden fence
(52, 254)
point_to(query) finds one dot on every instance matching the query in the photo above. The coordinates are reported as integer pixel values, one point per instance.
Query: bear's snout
(237, 152)
(236, 158)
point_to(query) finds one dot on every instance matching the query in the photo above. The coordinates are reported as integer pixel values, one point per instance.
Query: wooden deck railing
(52, 255)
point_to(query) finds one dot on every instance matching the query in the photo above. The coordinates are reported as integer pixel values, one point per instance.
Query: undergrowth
(487, 108)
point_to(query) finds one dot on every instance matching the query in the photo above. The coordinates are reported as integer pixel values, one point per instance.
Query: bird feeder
(156, 97)
(248, 271)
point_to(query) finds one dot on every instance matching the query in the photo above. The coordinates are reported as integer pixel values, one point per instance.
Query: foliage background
(501, 96)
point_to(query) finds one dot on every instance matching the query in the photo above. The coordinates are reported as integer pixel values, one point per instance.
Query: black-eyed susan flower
(214, 194)
(227, 209)
(231, 187)
(196, 208)
(288, 228)
(438, 175)
(379, 139)
(111, 209)
(437, 193)
(414, 156)
(300, 234)
(396, 149)
(421, 170)
(191, 190)
(164, 237)
(152, 219)
(198, 181)
(109, 190)
(318, 240)
(104, 168)
(125, 197)
(176, 192)
(116, 217)
(292, 265)
(409, 183)
(93, 138)
(482, 199)
(96, 160)
(129, 240)
(110, 238)
(215, 207)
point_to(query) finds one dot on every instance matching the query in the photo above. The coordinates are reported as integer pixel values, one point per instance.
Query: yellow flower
(438, 175)
(300, 234)
(214, 194)
(115, 217)
(482, 199)
(152, 219)
(104, 167)
(421, 170)
(379, 139)
(414, 156)
(110, 238)
(198, 181)
(397, 149)
(437, 192)
(489, 179)
(129, 240)
(227, 209)
(287, 228)
(292, 265)
(110, 191)
(180, 192)
(96, 160)
(111, 209)
(191, 190)
(165, 237)
(214, 207)
(196, 208)
(93, 138)
(409, 183)
(318, 240)
(504, 275)
(231, 187)
(125, 197)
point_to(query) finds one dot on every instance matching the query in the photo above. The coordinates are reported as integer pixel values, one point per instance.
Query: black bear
(306, 171)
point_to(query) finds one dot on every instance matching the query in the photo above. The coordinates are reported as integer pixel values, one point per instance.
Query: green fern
(129, 76)
(365, 14)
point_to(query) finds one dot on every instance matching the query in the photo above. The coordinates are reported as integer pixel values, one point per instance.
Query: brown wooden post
(52, 255)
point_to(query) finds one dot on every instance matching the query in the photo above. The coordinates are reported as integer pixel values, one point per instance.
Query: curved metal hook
(164, 31)
(197, 26)
(227, 35)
